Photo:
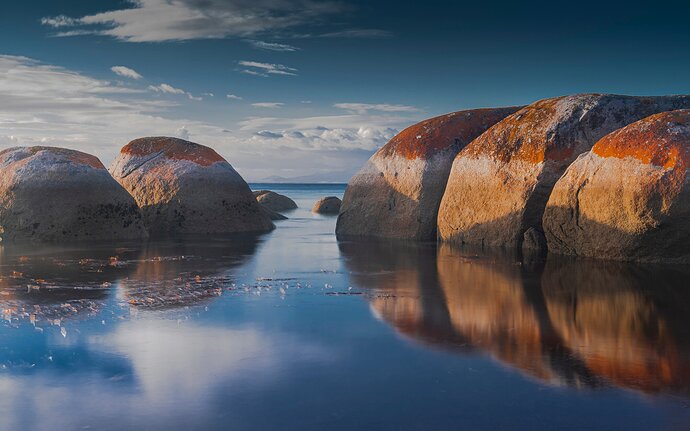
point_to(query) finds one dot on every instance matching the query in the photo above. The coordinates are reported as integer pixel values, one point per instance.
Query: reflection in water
(575, 322)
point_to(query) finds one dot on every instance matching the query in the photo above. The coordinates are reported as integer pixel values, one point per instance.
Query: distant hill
(331, 177)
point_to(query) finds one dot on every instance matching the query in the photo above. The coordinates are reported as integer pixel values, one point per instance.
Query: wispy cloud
(269, 105)
(233, 97)
(169, 89)
(126, 72)
(165, 20)
(266, 69)
(269, 46)
(59, 21)
(364, 108)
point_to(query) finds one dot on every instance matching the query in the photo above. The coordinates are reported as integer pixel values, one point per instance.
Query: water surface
(292, 330)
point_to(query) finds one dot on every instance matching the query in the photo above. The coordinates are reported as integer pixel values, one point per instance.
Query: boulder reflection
(575, 322)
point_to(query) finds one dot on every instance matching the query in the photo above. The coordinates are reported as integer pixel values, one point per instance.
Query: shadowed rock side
(629, 198)
(572, 322)
(187, 188)
(500, 183)
(329, 205)
(55, 194)
(397, 193)
(629, 324)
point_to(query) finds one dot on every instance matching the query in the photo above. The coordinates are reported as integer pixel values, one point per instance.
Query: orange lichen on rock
(661, 140)
(76, 157)
(431, 136)
(173, 148)
(524, 135)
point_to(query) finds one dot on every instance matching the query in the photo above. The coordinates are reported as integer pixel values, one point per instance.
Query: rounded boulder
(329, 205)
(628, 198)
(56, 194)
(274, 201)
(397, 193)
(186, 188)
(499, 184)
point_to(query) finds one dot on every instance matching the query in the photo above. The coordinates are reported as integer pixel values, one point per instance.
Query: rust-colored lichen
(454, 130)
(661, 140)
(173, 148)
(523, 135)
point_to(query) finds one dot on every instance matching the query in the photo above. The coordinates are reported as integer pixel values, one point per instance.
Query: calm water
(292, 330)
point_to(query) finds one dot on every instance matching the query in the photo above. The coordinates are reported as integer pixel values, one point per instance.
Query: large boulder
(55, 194)
(274, 201)
(500, 183)
(329, 205)
(397, 193)
(187, 188)
(628, 198)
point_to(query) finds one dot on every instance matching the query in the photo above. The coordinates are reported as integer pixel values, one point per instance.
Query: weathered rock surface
(55, 194)
(500, 183)
(397, 193)
(274, 201)
(628, 198)
(187, 188)
(328, 205)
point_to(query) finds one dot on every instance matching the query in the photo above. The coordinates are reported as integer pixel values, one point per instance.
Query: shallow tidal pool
(293, 330)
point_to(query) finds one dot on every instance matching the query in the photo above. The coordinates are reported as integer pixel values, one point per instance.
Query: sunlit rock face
(187, 188)
(628, 198)
(55, 194)
(397, 193)
(500, 183)
(630, 325)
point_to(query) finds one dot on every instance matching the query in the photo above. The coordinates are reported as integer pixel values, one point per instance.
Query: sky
(306, 88)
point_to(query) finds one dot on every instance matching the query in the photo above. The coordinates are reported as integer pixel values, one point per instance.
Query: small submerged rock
(274, 201)
(56, 194)
(329, 205)
(187, 188)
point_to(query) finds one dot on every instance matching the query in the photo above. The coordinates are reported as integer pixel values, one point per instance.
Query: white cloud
(166, 20)
(233, 97)
(59, 21)
(169, 89)
(265, 69)
(270, 105)
(280, 47)
(166, 88)
(126, 72)
(49, 105)
(364, 108)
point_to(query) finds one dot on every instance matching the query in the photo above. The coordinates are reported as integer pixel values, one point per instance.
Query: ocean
(293, 330)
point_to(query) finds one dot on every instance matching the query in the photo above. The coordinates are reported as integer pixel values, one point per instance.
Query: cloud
(265, 69)
(50, 105)
(233, 97)
(166, 20)
(183, 133)
(169, 89)
(280, 47)
(165, 88)
(364, 108)
(126, 72)
(59, 21)
(270, 105)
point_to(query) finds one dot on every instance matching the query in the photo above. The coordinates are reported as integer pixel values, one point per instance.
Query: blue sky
(306, 87)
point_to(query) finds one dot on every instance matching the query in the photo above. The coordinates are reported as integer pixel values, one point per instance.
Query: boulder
(328, 205)
(273, 215)
(55, 194)
(274, 201)
(187, 188)
(397, 193)
(628, 198)
(500, 183)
